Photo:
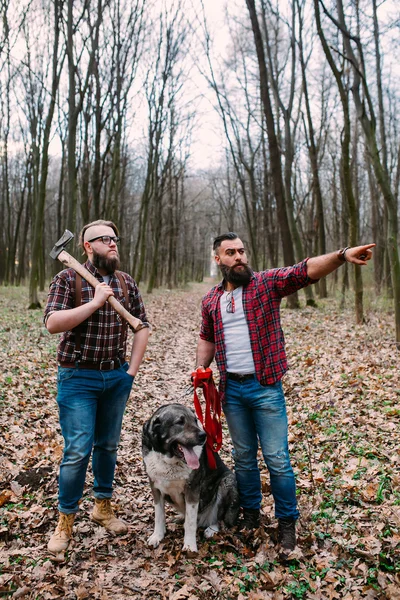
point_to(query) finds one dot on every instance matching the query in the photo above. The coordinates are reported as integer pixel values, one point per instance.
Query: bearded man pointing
(241, 328)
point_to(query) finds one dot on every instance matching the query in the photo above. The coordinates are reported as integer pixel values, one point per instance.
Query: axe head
(64, 240)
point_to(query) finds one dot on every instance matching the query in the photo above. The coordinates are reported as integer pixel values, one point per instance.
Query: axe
(71, 262)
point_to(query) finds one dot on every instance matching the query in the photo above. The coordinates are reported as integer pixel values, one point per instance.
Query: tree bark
(37, 241)
(345, 161)
(274, 152)
(366, 115)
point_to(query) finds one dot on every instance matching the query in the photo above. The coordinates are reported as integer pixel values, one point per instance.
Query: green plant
(359, 473)
(298, 589)
(248, 582)
(384, 484)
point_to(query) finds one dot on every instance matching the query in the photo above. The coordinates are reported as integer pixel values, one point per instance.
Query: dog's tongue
(191, 457)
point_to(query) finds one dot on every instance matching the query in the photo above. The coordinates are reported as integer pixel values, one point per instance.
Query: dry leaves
(344, 414)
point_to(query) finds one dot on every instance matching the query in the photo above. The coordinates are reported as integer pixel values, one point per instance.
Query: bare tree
(39, 201)
(163, 86)
(286, 109)
(313, 152)
(243, 133)
(345, 159)
(79, 76)
(274, 152)
(127, 31)
(366, 114)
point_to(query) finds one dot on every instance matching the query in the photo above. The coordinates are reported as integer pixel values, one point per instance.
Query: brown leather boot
(61, 538)
(103, 514)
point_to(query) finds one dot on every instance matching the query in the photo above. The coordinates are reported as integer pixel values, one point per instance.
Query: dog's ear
(152, 433)
(156, 425)
(146, 441)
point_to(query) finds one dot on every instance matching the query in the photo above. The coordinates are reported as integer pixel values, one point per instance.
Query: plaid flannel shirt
(261, 304)
(101, 333)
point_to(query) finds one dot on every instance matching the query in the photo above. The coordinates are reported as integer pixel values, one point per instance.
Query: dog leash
(211, 420)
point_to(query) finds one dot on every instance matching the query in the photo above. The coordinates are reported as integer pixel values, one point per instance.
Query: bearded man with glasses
(241, 328)
(94, 378)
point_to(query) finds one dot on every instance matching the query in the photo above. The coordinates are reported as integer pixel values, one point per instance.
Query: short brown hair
(92, 224)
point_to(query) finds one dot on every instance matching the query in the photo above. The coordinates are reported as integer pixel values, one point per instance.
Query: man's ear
(217, 259)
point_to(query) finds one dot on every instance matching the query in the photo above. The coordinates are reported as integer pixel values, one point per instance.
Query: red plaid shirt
(101, 333)
(261, 304)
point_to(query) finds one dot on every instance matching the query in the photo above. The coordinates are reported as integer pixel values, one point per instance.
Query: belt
(104, 365)
(239, 377)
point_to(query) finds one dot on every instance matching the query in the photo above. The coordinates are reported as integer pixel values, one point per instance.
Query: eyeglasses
(230, 303)
(106, 239)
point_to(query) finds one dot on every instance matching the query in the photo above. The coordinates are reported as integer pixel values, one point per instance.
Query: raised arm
(67, 319)
(319, 266)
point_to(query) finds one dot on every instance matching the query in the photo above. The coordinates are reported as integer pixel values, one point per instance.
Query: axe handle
(71, 262)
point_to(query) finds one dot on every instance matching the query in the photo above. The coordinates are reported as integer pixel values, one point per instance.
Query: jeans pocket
(273, 386)
(63, 374)
(125, 367)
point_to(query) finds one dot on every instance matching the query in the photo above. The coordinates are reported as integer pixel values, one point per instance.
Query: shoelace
(107, 508)
(66, 523)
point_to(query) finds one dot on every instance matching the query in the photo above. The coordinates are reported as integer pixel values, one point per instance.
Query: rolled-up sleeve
(60, 296)
(287, 280)
(207, 324)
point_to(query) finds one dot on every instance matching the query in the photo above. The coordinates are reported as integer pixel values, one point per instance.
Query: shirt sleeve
(207, 324)
(288, 280)
(60, 296)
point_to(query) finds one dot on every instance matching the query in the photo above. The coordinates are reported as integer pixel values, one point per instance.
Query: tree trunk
(275, 158)
(345, 163)
(37, 241)
(313, 154)
(369, 129)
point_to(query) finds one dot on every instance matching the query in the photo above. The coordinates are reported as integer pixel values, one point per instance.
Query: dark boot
(251, 519)
(287, 534)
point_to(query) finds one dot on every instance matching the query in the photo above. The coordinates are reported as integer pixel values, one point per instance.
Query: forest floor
(342, 391)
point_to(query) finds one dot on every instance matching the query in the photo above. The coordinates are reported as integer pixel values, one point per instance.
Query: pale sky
(208, 140)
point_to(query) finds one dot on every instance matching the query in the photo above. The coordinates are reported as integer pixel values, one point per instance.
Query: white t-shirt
(239, 356)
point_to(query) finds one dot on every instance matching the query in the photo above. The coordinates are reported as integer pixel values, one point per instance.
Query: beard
(108, 263)
(235, 276)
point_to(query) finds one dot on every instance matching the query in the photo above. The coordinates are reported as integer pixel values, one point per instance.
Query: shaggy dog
(175, 458)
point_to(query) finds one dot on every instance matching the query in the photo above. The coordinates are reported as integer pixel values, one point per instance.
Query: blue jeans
(257, 413)
(91, 407)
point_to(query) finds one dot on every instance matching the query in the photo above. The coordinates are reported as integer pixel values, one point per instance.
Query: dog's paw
(155, 539)
(191, 547)
(211, 530)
